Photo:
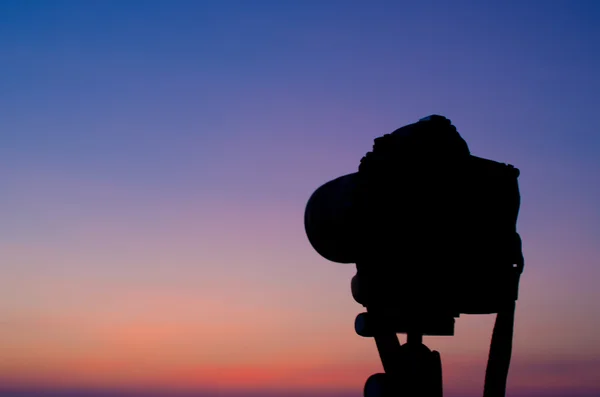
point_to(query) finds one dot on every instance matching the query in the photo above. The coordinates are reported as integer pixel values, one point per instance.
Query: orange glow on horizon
(462, 374)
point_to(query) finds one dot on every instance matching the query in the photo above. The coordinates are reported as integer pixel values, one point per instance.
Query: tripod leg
(388, 346)
(410, 370)
(386, 384)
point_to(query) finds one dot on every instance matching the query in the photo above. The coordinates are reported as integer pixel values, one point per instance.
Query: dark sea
(150, 393)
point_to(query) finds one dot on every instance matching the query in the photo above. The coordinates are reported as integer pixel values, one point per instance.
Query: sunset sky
(156, 158)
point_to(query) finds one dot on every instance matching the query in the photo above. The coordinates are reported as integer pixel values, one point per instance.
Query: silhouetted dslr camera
(431, 228)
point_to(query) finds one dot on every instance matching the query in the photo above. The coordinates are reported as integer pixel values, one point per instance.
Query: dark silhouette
(432, 230)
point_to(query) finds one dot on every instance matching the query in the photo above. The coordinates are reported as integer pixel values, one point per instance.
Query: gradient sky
(156, 157)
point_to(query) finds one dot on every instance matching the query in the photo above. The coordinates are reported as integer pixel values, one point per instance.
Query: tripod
(413, 370)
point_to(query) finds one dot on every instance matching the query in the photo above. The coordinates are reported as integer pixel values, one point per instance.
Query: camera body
(431, 228)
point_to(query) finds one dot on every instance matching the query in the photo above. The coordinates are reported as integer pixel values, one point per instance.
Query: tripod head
(430, 227)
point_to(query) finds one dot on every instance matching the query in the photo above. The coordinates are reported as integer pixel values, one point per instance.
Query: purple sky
(156, 158)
